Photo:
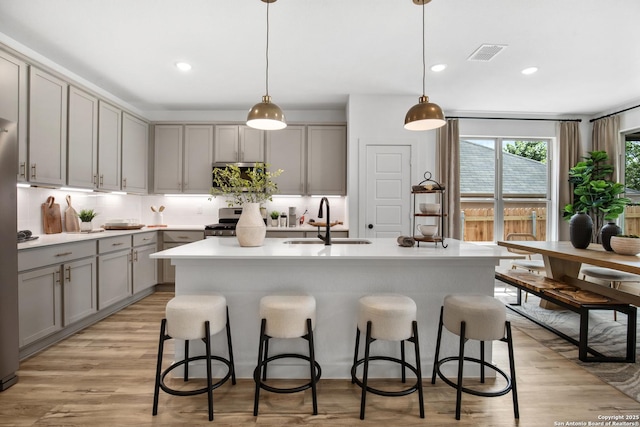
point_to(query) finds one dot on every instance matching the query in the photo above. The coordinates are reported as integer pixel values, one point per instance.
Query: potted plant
(274, 218)
(248, 190)
(86, 216)
(597, 197)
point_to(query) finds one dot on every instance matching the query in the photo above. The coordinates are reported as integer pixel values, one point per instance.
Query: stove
(228, 218)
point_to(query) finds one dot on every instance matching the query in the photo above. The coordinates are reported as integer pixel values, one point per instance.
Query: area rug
(605, 335)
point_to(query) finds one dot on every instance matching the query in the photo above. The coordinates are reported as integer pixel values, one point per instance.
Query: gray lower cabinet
(39, 304)
(79, 290)
(172, 239)
(114, 270)
(145, 269)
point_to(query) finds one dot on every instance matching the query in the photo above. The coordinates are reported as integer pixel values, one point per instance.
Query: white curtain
(569, 142)
(448, 155)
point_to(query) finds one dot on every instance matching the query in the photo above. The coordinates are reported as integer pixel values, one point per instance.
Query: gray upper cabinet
(167, 159)
(198, 156)
(82, 159)
(327, 160)
(109, 146)
(135, 142)
(238, 143)
(47, 128)
(13, 104)
(286, 151)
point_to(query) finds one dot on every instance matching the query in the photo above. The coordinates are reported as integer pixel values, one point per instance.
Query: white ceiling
(321, 51)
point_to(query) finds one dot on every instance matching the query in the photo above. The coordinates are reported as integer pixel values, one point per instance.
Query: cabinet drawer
(111, 244)
(174, 236)
(145, 238)
(55, 254)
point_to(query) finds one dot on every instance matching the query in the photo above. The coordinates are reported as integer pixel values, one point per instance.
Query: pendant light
(424, 115)
(266, 115)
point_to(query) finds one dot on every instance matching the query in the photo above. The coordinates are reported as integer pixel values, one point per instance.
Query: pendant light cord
(424, 64)
(267, 54)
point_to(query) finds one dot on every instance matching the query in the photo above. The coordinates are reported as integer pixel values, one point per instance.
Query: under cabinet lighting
(80, 190)
(119, 193)
(438, 67)
(529, 71)
(183, 66)
(21, 185)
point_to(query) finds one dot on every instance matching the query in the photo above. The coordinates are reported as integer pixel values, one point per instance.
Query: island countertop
(379, 248)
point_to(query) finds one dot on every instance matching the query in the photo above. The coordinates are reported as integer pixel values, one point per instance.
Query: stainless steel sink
(337, 241)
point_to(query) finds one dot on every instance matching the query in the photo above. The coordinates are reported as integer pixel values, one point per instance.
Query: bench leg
(584, 335)
(631, 334)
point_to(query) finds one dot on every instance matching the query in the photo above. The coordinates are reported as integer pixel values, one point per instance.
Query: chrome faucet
(327, 236)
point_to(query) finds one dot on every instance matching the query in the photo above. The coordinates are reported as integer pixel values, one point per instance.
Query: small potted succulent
(626, 244)
(274, 218)
(86, 216)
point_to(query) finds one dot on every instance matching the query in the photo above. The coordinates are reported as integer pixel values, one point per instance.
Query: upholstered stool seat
(286, 316)
(482, 318)
(388, 317)
(614, 278)
(190, 317)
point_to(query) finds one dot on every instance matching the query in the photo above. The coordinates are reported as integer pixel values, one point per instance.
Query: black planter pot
(580, 230)
(606, 232)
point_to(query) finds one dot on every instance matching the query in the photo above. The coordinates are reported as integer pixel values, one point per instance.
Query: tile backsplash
(179, 210)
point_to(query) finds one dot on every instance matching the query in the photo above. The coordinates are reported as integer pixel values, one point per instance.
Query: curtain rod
(613, 114)
(516, 118)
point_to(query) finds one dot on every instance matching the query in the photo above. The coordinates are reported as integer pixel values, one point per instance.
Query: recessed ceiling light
(438, 67)
(183, 66)
(529, 70)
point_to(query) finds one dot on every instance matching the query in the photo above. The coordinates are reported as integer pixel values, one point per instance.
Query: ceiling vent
(486, 52)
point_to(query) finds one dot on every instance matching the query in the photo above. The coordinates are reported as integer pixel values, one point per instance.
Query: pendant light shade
(266, 115)
(424, 115)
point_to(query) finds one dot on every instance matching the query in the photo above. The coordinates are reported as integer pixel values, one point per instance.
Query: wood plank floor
(104, 376)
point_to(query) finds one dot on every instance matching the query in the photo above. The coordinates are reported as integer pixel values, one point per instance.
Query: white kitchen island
(337, 276)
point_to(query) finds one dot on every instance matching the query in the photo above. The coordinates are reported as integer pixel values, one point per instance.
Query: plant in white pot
(86, 216)
(256, 186)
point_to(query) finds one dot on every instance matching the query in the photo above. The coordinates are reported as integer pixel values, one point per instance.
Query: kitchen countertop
(61, 238)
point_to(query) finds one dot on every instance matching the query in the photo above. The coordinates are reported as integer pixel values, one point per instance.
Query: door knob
(370, 226)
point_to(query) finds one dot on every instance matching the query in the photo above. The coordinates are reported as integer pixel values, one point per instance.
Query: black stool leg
(460, 367)
(207, 343)
(156, 392)
(186, 356)
(233, 365)
(435, 359)
(355, 353)
(482, 364)
(404, 370)
(365, 374)
(416, 343)
(260, 367)
(266, 356)
(512, 368)
(312, 366)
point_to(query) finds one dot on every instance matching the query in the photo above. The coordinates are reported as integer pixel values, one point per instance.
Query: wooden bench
(568, 294)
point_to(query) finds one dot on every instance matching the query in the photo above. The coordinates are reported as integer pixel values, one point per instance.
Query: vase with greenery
(595, 194)
(86, 216)
(248, 190)
(274, 218)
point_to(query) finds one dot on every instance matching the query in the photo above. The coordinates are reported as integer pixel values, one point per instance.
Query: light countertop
(380, 248)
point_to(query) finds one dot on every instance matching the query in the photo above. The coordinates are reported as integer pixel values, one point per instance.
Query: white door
(388, 190)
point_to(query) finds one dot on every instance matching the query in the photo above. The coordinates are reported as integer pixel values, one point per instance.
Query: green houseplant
(249, 190)
(86, 216)
(595, 194)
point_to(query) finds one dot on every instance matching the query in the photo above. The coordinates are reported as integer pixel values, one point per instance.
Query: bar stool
(387, 317)
(481, 318)
(286, 316)
(190, 317)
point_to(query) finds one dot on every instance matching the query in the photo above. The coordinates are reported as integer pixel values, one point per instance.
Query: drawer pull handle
(64, 254)
(146, 238)
(68, 274)
(23, 169)
(57, 276)
(183, 237)
(117, 244)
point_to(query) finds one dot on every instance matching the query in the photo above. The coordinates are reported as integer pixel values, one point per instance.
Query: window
(632, 183)
(504, 187)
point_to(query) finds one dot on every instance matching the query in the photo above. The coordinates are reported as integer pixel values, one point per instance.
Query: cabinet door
(168, 270)
(47, 128)
(82, 158)
(80, 290)
(286, 151)
(39, 304)
(13, 103)
(327, 160)
(168, 159)
(109, 133)
(198, 157)
(114, 278)
(226, 144)
(145, 269)
(251, 145)
(135, 141)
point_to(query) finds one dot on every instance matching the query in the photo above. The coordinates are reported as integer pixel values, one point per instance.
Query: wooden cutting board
(323, 224)
(52, 222)
(71, 221)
